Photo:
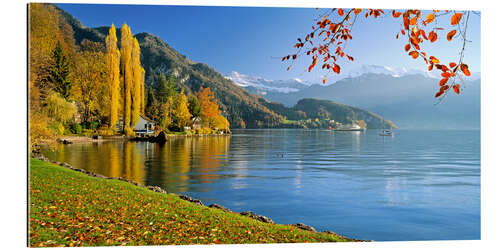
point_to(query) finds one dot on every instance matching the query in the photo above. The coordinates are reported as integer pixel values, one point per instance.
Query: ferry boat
(352, 127)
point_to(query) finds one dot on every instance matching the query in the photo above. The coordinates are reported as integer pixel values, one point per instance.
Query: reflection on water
(173, 165)
(416, 185)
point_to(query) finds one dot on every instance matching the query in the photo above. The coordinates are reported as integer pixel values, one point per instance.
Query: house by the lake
(143, 127)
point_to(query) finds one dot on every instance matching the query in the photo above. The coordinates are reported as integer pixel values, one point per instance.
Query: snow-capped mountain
(386, 70)
(264, 85)
(400, 72)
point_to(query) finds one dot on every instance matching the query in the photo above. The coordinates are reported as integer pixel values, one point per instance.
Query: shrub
(105, 131)
(87, 132)
(76, 128)
(59, 109)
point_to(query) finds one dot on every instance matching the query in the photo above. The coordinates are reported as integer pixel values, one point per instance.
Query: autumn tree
(58, 72)
(113, 66)
(59, 109)
(326, 43)
(181, 115)
(166, 111)
(91, 89)
(137, 87)
(126, 76)
(209, 107)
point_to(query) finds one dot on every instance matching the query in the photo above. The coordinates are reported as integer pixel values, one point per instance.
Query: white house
(144, 126)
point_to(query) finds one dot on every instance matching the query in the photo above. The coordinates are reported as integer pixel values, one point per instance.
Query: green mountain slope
(311, 109)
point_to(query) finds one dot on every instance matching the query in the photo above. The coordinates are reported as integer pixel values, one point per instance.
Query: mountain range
(404, 96)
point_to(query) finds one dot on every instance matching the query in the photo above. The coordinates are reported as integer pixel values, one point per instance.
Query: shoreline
(93, 139)
(157, 189)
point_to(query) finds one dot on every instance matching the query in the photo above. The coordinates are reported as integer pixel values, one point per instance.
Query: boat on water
(352, 127)
(385, 132)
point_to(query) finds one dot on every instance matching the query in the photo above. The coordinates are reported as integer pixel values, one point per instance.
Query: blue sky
(251, 40)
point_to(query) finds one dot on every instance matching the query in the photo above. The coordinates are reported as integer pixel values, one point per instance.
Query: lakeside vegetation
(69, 208)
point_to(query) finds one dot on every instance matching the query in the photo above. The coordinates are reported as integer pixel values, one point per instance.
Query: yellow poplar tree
(113, 64)
(127, 76)
(137, 87)
(143, 98)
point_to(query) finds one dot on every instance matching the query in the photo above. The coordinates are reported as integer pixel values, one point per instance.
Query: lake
(416, 185)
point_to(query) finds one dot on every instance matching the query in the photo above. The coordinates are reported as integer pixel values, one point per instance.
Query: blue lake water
(416, 185)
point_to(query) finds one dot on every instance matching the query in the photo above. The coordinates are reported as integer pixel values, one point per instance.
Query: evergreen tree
(166, 88)
(194, 106)
(59, 72)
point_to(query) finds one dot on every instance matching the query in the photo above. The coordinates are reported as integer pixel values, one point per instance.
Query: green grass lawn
(69, 208)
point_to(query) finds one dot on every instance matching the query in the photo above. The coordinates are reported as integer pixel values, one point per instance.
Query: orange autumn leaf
(430, 18)
(357, 11)
(443, 81)
(465, 69)
(396, 14)
(341, 12)
(446, 74)
(413, 21)
(438, 94)
(315, 61)
(413, 54)
(336, 68)
(455, 19)
(324, 80)
(432, 36)
(452, 65)
(433, 59)
(450, 35)
(456, 88)
(407, 47)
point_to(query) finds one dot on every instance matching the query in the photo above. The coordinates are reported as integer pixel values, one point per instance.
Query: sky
(252, 40)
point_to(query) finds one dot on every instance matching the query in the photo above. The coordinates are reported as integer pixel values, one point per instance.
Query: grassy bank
(69, 208)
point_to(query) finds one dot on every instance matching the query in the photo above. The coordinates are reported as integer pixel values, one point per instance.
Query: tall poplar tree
(127, 76)
(113, 63)
(137, 84)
